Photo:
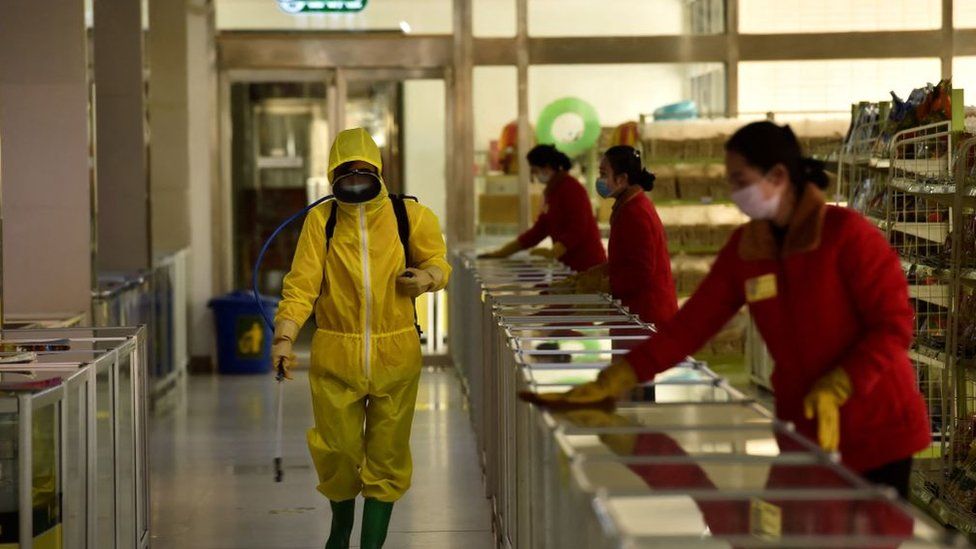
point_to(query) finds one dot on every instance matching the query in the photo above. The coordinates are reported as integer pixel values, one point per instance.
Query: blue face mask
(603, 189)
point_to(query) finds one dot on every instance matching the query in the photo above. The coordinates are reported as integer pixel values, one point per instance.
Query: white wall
(829, 85)
(424, 16)
(424, 131)
(780, 16)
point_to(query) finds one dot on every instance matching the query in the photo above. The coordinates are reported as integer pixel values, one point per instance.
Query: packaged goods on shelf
(908, 169)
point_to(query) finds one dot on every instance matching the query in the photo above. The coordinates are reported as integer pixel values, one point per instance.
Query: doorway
(277, 129)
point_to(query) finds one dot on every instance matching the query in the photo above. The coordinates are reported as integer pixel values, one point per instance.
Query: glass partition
(105, 459)
(47, 479)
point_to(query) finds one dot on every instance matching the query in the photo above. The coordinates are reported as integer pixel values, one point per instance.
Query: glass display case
(687, 461)
(73, 459)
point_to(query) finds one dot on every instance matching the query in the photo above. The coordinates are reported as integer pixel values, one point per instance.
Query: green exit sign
(322, 6)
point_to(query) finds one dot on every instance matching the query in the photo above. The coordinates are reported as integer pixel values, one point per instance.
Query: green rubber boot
(376, 521)
(343, 517)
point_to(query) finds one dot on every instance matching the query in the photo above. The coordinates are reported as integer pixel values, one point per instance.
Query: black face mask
(356, 187)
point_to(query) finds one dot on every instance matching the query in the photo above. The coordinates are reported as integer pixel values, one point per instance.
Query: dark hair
(624, 159)
(548, 156)
(764, 145)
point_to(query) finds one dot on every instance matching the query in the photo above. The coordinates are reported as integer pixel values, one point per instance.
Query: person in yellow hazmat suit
(366, 359)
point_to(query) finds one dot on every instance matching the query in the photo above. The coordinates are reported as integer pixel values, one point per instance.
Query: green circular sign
(569, 105)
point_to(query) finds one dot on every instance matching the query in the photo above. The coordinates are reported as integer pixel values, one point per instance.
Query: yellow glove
(568, 283)
(613, 381)
(508, 249)
(558, 250)
(620, 444)
(824, 400)
(593, 281)
(286, 332)
(415, 282)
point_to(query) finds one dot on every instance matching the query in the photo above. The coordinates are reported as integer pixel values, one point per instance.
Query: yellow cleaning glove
(824, 400)
(613, 382)
(594, 281)
(416, 282)
(558, 250)
(508, 249)
(286, 332)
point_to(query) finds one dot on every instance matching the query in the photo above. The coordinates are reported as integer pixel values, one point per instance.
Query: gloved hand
(558, 250)
(620, 444)
(415, 282)
(593, 281)
(286, 332)
(568, 283)
(612, 382)
(503, 252)
(824, 400)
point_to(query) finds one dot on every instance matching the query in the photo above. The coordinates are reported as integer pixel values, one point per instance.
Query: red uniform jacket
(567, 217)
(833, 296)
(640, 267)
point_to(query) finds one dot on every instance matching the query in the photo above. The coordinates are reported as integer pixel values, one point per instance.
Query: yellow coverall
(366, 358)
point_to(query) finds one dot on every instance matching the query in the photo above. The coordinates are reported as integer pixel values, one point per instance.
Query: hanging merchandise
(577, 143)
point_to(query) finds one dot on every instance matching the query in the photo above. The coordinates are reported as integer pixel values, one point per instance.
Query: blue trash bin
(243, 337)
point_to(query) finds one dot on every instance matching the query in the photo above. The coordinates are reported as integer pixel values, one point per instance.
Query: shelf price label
(321, 6)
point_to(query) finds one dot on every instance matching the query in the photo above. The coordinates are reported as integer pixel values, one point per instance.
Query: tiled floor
(212, 486)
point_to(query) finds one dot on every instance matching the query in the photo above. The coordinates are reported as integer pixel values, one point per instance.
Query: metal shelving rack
(918, 187)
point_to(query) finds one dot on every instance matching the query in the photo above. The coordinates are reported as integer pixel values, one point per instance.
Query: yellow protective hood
(354, 144)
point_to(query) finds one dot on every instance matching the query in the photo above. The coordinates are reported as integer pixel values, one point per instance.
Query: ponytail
(814, 172)
(646, 180)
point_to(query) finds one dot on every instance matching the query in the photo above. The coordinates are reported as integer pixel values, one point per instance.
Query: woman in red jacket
(830, 299)
(567, 216)
(638, 272)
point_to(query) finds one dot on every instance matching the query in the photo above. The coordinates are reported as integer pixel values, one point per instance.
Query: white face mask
(543, 177)
(754, 203)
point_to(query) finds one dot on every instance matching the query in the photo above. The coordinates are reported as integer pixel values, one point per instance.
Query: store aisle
(212, 480)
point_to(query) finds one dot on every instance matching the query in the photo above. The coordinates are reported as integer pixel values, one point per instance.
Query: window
(829, 85)
(493, 18)
(798, 16)
(607, 17)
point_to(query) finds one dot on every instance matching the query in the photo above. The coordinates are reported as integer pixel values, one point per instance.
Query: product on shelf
(960, 487)
(927, 105)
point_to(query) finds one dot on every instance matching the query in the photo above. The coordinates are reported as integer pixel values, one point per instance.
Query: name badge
(761, 288)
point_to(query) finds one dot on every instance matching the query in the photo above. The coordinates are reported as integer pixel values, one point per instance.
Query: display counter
(74, 462)
(693, 462)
